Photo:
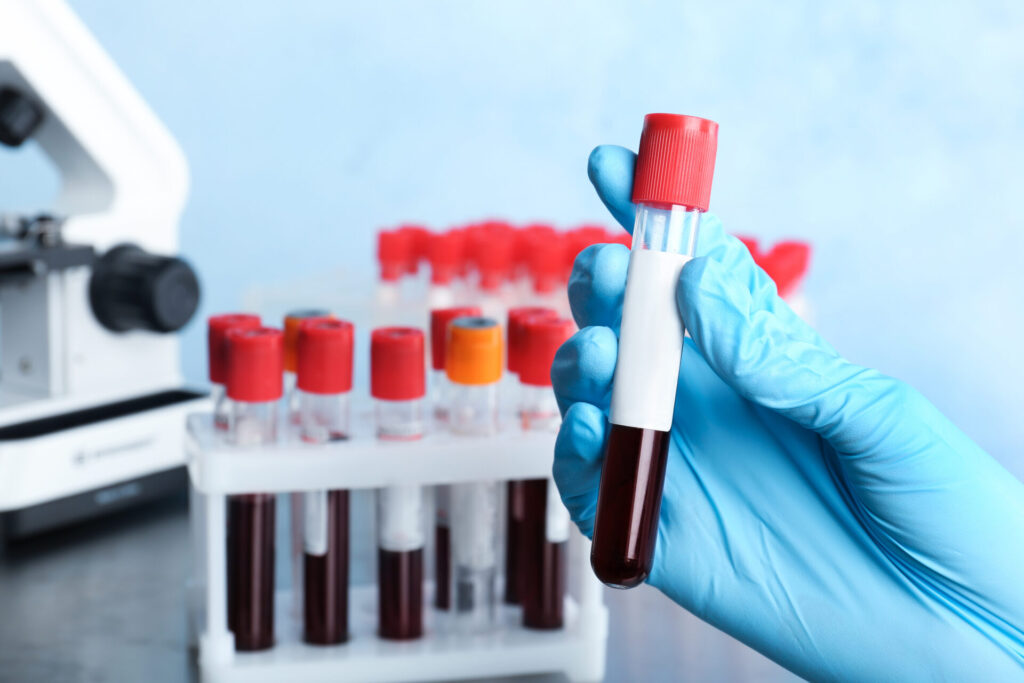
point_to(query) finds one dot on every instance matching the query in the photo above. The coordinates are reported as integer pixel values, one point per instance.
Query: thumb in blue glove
(825, 514)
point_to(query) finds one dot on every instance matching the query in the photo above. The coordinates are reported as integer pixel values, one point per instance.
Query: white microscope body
(91, 412)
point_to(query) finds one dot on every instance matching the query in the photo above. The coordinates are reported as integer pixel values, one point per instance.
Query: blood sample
(398, 383)
(217, 328)
(545, 527)
(671, 189)
(473, 364)
(255, 359)
(441, 388)
(514, 502)
(323, 385)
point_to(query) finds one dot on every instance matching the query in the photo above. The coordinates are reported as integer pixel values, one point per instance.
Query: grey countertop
(105, 601)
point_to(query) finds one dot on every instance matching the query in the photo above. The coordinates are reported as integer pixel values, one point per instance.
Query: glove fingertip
(610, 169)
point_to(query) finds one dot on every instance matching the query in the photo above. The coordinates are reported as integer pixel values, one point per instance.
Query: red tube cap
(394, 250)
(325, 356)
(676, 161)
(439, 320)
(255, 364)
(786, 264)
(517, 318)
(541, 339)
(445, 251)
(396, 364)
(217, 328)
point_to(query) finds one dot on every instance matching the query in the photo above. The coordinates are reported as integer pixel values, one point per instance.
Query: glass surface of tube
(324, 418)
(643, 396)
(250, 538)
(401, 537)
(474, 365)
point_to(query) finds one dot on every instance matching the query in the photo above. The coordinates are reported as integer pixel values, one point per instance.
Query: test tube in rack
(473, 364)
(440, 319)
(545, 531)
(515, 502)
(217, 329)
(255, 359)
(671, 190)
(398, 385)
(323, 386)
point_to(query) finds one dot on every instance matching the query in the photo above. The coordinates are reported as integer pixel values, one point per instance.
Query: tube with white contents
(398, 383)
(473, 364)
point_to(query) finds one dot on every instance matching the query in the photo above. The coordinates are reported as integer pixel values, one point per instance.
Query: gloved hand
(822, 513)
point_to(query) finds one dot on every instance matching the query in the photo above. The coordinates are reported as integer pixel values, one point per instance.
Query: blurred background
(888, 134)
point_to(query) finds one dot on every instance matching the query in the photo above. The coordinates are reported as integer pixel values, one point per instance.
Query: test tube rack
(217, 470)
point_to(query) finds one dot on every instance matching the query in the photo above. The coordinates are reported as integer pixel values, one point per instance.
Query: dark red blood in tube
(543, 563)
(442, 567)
(542, 606)
(400, 586)
(514, 541)
(250, 564)
(628, 505)
(326, 579)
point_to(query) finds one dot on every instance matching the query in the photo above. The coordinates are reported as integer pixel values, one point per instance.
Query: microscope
(92, 403)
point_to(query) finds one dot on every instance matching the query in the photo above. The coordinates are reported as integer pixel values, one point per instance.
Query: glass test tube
(515, 509)
(473, 364)
(324, 381)
(671, 189)
(397, 382)
(545, 533)
(292, 322)
(441, 390)
(217, 329)
(254, 387)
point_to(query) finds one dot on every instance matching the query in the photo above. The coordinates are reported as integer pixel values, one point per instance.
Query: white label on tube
(314, 537)
(400, 514)
(474, 525)
(650, 342)
(556, 517)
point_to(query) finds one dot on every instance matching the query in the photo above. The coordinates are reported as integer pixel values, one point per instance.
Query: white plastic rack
(218, 469)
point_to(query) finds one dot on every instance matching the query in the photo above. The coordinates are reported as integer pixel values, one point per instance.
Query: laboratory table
(105, 601)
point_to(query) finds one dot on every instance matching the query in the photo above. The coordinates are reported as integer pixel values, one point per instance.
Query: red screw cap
(676, 161)
(394, 251)
(541, 339)
(325, 356)
(517, 318)
(786, 264)
(446, 253)
(439, 320)
(396, 364)
(255, 364)
(217, 327)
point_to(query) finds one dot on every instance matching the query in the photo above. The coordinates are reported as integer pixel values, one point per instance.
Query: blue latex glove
(822, 513)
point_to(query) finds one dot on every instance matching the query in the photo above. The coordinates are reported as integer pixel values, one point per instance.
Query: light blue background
(888, 133)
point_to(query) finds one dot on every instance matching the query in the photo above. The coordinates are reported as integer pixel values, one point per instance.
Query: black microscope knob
(19, 117)
(131, 289)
